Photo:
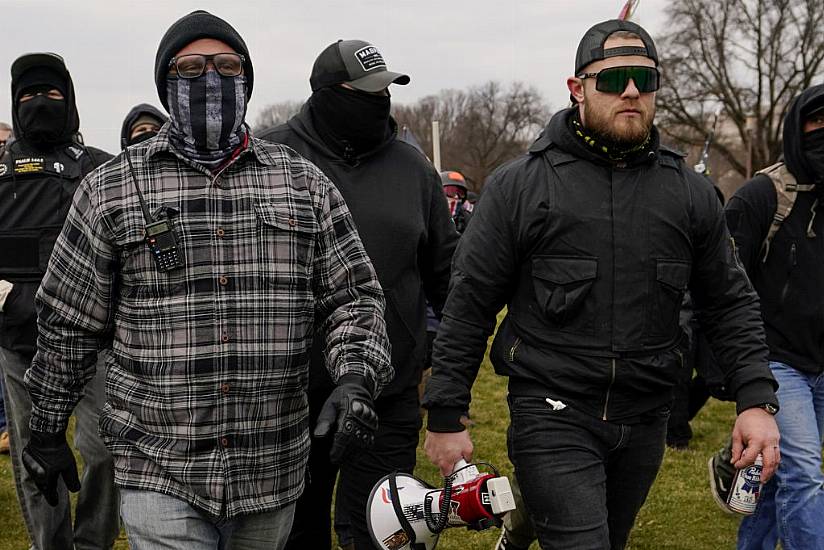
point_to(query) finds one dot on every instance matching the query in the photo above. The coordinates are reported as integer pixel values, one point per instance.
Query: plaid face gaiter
(207, 116)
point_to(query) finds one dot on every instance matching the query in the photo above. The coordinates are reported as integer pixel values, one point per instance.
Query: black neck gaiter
(605, 148)
(207, 116)
(350, 122)
(42, 120)
(813, 145)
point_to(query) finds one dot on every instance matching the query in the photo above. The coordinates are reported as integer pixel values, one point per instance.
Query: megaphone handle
(458, 465)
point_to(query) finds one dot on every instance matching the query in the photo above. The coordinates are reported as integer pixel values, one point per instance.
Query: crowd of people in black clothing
(246, 325)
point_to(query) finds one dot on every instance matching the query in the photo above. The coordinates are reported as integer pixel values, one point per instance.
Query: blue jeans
(583, 480)
(96, 523)
(791, 505)
(155, 521)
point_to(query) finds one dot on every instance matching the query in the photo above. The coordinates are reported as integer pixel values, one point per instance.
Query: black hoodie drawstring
(810, 233)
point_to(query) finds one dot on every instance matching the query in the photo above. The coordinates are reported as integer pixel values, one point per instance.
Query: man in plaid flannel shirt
(206, 412)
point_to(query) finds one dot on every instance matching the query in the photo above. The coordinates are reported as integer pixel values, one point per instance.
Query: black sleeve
(483, 272)
(749, 215)
(728, 305)
(437, 251)
(95, 158)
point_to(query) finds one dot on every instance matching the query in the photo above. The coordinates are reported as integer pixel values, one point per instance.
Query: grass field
(679, 514)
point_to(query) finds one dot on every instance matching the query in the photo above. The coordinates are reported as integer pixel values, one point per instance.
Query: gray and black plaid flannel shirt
(206, 380)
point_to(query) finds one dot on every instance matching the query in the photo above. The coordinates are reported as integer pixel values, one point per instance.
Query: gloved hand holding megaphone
(350, 409)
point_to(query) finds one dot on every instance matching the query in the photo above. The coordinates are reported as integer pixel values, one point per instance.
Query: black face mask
(813, 145)
(354, 120)
(42, 120)
(140, 138)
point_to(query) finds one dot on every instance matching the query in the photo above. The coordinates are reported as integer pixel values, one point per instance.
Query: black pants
(583, 480)
(395, 446)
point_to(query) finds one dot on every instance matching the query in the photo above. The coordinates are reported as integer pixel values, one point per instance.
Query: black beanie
(187, 29)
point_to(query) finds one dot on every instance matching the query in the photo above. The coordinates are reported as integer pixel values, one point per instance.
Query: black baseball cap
(354, 62)
(591, 47)
(33, 69)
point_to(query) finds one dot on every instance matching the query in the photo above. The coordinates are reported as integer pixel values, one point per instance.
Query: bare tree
(481, 127)
(275, 114)
(748, 57)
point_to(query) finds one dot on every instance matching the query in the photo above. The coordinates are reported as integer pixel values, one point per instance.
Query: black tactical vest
(35, 193)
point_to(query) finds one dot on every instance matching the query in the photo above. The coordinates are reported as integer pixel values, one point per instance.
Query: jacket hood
(136, 112)
(44, 68)
(303, 125)
(794, 156)
(559, 133)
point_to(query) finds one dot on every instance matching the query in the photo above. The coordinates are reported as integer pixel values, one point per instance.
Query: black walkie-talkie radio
(160, 235)
(162, 241)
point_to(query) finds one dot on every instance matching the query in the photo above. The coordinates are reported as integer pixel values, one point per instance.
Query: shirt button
(224, 337)
(224, 388)
(223, 280)
(224, 441)
(292, 222)
(220, 232)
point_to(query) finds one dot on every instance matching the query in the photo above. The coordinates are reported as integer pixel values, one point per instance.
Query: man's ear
(576, 89)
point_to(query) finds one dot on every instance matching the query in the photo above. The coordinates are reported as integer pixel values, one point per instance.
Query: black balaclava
(207, 116)
(350, 122)
(42, 117)
(42, 122)
(800, 155)
(813, 146)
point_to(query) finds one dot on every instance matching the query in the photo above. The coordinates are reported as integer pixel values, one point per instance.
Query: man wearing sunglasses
(207, 259)
(591, 240)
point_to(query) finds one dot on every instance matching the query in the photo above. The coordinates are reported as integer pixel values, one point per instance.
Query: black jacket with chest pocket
(592, 260)
(397, 203)
(790, 282)
(36, 189)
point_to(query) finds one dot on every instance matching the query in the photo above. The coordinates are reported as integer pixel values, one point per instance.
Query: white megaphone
(405, 513)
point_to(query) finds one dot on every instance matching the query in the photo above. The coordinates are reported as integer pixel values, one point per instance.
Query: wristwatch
(769, 407)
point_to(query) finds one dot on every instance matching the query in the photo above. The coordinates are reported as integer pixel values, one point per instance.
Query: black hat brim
(28, 61)
(376, 82)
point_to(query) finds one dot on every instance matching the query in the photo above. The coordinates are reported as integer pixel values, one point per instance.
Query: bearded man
(591, 240)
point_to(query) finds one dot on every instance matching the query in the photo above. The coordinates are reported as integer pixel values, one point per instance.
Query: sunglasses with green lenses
(615, 79)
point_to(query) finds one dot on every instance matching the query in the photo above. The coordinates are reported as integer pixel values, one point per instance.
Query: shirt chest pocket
(139, 273)
(285, 243)
(562, 285)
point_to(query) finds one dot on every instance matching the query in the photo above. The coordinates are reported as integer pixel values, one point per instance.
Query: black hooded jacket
(396, 200)
(37, 183)
(592, 259)
(136, 112)
(790, 282)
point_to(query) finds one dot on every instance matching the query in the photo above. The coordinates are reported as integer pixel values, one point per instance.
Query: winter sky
(109, 45)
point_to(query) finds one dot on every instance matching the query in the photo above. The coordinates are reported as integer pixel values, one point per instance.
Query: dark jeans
(583, 479)
(394, 450)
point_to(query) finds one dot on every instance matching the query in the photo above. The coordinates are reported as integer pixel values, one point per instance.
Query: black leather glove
(48, 457)
(351, 409)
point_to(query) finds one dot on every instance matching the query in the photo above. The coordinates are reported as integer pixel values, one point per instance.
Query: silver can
(746, 487)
